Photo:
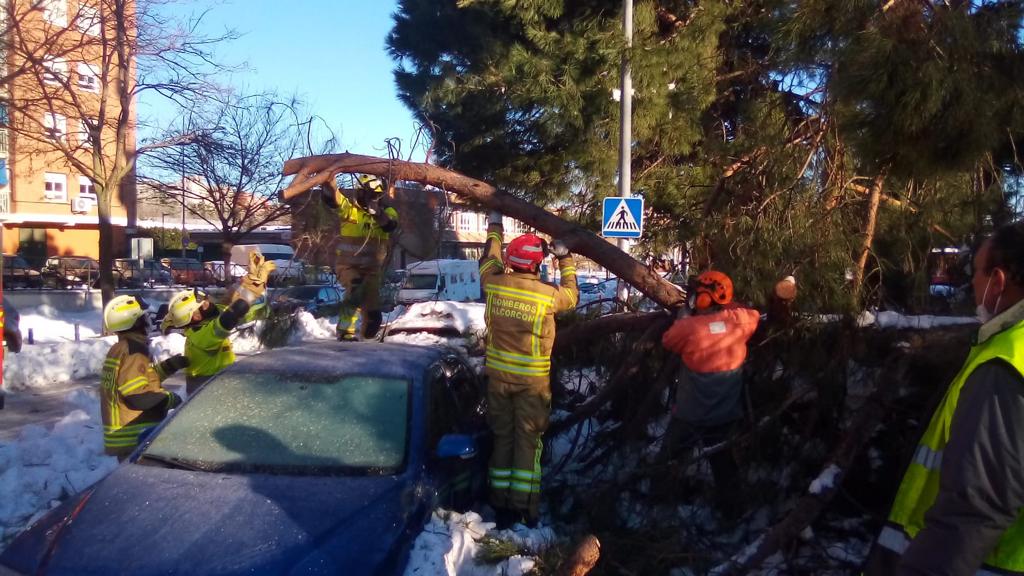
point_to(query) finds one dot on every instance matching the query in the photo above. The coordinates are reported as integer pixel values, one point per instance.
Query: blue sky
(328, 52)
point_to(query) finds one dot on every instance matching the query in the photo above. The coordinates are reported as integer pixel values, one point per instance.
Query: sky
(329, 52)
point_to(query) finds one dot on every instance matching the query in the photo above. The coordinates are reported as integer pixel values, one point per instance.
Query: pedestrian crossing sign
(622, 217)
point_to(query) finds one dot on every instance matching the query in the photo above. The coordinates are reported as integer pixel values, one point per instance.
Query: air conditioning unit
(81, 205)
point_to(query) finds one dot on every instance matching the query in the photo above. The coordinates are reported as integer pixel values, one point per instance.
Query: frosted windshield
(291, 424)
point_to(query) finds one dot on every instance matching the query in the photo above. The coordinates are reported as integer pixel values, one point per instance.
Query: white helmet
(181, 308)
(122, 312)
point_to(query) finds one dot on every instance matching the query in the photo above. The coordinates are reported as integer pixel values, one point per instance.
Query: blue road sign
(622, 217)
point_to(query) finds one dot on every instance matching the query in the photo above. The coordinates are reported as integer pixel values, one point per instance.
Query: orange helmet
(713, 287)
(525, 252)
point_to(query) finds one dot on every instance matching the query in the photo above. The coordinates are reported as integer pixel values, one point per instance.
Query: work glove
(494, 217)
(254, 284)
(559, 249)
(173, 364)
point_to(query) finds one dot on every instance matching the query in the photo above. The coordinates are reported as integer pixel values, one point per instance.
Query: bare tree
(231, 171)
(83, 64)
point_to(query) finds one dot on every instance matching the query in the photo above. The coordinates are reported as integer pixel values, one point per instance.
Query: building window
(55, 187)
(85, 132)
(86, 188)
(55, 70)
(55, 11)
(88, 20)
(467, 221)
(55, 126)
(88, 77)
(5, 116)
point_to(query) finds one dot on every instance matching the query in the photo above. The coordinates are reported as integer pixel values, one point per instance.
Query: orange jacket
(715, 342)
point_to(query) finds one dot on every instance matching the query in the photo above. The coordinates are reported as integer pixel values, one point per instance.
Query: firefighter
(207, 325)
(711, 339)
(131, 396)
(361, 254)
(520, 333)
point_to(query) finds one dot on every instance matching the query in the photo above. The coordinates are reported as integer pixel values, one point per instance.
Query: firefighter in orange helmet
(520, 318)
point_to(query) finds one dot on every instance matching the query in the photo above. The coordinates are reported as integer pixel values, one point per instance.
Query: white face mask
(982, 312)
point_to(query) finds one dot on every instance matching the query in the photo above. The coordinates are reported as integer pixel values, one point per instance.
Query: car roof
(342, 358)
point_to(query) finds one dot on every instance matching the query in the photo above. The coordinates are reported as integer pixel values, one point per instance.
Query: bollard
(31, 340)
(76, 331)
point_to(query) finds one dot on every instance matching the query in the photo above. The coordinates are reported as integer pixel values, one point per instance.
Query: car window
(292, 424)
(443, 419)
(467, 394)
(420, 282)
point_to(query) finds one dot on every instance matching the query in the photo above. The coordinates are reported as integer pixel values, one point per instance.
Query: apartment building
(50, 111)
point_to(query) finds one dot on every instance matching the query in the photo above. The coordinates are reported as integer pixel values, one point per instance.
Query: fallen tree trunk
(601, 327)
(315, 170)
(583, 559)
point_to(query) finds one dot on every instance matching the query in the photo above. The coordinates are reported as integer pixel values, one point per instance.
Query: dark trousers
(680, 440)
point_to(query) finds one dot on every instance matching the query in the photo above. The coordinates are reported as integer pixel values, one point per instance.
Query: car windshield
(295, 424)
(277, 256)
(16, 262)
(301, 292)
(420, 282)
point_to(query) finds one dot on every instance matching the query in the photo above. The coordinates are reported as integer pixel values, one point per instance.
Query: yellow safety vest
(920, 484)
(362, 241)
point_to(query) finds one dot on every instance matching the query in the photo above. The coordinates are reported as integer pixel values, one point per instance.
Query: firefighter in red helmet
(520, 319)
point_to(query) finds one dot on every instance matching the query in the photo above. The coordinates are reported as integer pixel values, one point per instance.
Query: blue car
(321, 459)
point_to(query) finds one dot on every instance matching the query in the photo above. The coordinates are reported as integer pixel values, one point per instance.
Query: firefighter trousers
(360, 302)
(518, 417)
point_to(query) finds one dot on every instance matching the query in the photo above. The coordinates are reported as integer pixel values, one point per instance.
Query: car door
(456, 406)
(329, 301)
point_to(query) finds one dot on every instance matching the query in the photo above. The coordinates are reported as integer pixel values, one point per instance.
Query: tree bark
(315, 170)
(587, 553)
(870, 222)
(601, 327)
(106, 247)
(226, 245)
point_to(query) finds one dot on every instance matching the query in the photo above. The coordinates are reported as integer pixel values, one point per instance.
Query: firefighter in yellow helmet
(367, 223)
(131, 395)
(207, 325)
(520, 318)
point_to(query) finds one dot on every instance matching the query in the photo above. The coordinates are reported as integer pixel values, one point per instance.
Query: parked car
(18, 274)
(189, 271)
(73, 272)
(216, 268)
(318, 300)
(289, 269)
(326, 458)
(148, 274)
(455, 280)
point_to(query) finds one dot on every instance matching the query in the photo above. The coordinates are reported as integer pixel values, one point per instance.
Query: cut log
(315, 170)
(583, 559)
(602, 327)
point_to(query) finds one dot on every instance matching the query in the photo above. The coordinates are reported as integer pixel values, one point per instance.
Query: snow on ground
(826, 480)
(464, 317)
(51, 325)
(40, 366)
(44, 466)
(451, 542)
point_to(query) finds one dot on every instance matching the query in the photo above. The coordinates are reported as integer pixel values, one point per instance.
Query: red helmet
(713, 287)
(525, 253)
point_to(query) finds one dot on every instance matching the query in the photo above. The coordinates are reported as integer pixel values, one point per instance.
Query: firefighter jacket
(520, 316)
(713, 348)
(958, 510)
(362, 242)
(207, 346)
(131, 396)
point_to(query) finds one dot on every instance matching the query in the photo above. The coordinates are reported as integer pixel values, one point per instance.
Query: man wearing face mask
(959, 507)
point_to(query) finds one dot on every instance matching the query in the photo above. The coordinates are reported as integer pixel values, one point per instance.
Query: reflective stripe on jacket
(361, 241)
(131, 396)
(520, 316)
(920, 486)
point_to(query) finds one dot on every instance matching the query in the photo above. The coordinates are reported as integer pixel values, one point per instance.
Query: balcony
(3, 142)
(5, 200)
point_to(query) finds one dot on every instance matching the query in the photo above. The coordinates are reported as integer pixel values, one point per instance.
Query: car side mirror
(456, 446)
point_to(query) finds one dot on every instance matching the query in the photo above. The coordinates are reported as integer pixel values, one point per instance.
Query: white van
(280, 254)
(455, 280)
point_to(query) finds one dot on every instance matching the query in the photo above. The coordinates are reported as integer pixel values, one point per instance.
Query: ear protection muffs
(702, 301)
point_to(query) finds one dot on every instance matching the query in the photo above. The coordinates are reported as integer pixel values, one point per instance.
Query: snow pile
(46, 365)
(42, 466)
(51, 325)
(896, 321)
(309, 328)
(463, 317)
(450, 543)
(826, 480)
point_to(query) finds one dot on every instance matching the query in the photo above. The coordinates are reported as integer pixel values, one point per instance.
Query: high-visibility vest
(920, 484)
(361, 242)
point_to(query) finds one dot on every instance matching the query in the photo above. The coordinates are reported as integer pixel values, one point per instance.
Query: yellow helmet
(181, 308)
(370, 182)
(123, 312)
